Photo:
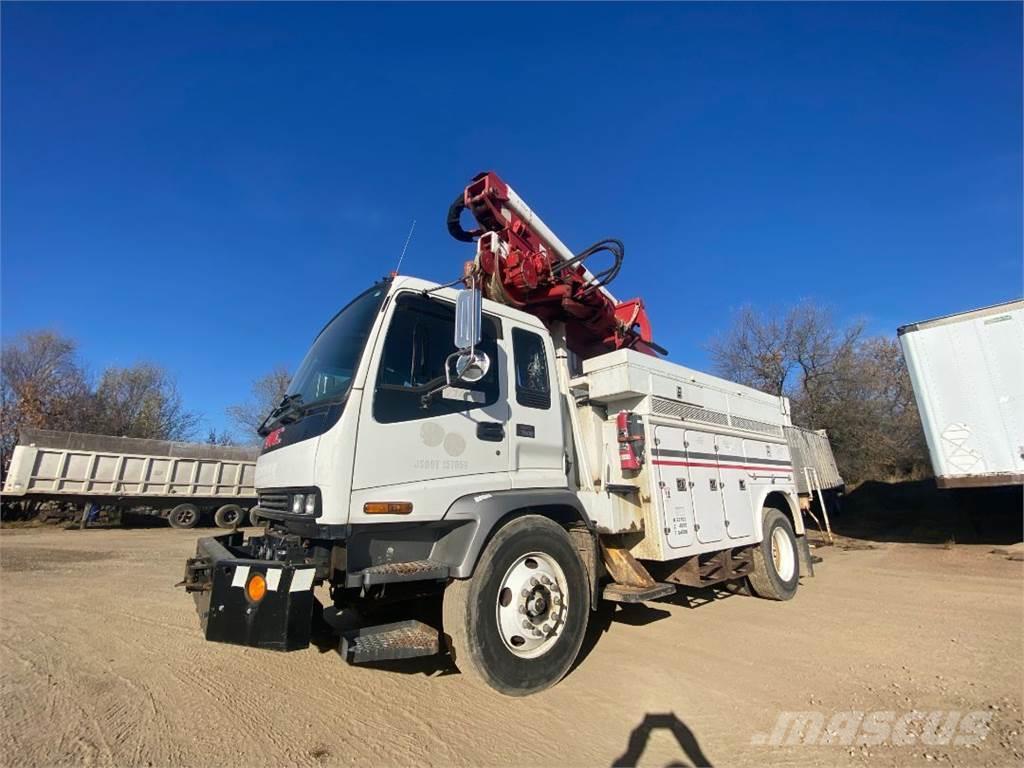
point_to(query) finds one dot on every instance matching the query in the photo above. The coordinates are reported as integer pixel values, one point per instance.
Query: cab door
(536, 443)
(422, 442)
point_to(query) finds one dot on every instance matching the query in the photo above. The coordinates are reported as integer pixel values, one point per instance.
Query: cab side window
(533, 382)
(418, 341)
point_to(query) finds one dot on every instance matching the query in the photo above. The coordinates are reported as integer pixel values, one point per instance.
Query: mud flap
(217, 579)
(803, 553)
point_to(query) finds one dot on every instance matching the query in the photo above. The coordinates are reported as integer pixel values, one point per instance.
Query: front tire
(776, 571)
(184, 516)
(518, 623)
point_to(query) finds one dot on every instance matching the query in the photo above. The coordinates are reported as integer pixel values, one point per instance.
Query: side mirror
(467, 363)
(468, 319)
(472, 366)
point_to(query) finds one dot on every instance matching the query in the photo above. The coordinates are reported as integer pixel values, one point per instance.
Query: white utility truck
(968, 376)
(510, 453)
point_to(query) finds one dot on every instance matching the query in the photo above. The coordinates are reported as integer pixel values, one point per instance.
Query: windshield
(328, 367)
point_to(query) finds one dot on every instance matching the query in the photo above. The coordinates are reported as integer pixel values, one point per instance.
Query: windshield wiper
(289, 408)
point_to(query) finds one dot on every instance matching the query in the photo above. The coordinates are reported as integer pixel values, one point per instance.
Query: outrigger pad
(281, 620)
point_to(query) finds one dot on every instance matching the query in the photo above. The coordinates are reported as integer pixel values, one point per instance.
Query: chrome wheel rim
(531, 605)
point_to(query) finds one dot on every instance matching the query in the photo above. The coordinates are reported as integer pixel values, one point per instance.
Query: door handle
(492, 431)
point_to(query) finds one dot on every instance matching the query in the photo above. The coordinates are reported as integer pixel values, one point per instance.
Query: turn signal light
(387, 507)
(256, 588)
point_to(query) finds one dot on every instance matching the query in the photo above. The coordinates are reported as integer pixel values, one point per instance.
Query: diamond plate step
(385, 642)
(415, 570)
(622, 593)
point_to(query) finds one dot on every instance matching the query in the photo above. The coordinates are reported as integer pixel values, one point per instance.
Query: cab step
(625, 593)
(389, 573)
(386, 642)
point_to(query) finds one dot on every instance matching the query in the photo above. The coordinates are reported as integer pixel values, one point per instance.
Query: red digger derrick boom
(522, 263)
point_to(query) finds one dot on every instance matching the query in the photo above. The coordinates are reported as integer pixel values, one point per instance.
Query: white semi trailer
(521, 457)
(967, 371)
(176, 480)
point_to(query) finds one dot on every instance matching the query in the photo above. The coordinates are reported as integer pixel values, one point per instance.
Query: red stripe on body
(785, 470)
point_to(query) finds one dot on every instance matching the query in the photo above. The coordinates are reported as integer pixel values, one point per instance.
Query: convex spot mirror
(471, 366)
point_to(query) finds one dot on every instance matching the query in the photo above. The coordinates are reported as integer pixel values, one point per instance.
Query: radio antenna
(406, 246)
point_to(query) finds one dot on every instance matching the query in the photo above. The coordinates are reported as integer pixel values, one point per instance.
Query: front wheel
(776, 570)
(517, 624)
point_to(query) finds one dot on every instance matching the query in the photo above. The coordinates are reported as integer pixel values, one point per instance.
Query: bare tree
(755, 352)
(857, 388)
(141, 401)
(213, 437)
(265, 393)
(869, 410)
(41, 385)
(777, 354)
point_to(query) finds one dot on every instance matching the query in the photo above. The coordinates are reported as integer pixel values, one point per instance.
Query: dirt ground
(102, 663)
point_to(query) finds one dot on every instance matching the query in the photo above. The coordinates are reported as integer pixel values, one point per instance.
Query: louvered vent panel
(678, 410)
(689, 412)
(757, 426)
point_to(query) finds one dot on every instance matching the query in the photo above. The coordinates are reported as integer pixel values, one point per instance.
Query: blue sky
(204, 185)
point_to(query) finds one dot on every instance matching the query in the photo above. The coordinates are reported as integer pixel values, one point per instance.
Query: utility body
(471, 471)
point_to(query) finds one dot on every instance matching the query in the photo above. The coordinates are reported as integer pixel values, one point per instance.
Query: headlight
(297, 503)
(311, 504)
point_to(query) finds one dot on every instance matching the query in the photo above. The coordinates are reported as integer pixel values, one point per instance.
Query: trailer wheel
(254, 519)
(184, 516)
(776, 570)
(229, 516)
(517, 624)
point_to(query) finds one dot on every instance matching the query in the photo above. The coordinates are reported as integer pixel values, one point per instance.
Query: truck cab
(376, 377)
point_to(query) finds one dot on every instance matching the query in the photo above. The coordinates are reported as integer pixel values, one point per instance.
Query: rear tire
(255, 520)
(229, 516)
(518, 623)
(184, 516)
(776, 571)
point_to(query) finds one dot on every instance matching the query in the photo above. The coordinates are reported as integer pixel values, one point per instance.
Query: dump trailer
(814, 467)
(474, 471)
(179, 481)
(967, 371)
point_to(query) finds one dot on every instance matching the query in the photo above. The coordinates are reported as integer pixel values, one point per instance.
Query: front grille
(276, 502)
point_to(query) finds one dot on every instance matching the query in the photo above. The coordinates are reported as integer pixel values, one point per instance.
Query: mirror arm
(426, 398)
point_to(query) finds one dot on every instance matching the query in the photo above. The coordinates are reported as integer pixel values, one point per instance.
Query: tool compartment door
(735, 478)
(675, 507)
(705, 486)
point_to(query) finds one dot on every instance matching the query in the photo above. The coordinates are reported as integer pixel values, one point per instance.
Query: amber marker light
(256, 588)
(387, 507)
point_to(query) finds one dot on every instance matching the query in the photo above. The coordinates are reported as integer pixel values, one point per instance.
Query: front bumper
(217, 577)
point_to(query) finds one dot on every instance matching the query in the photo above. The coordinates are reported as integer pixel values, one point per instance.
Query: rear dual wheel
(518, 623)
(776, 569)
